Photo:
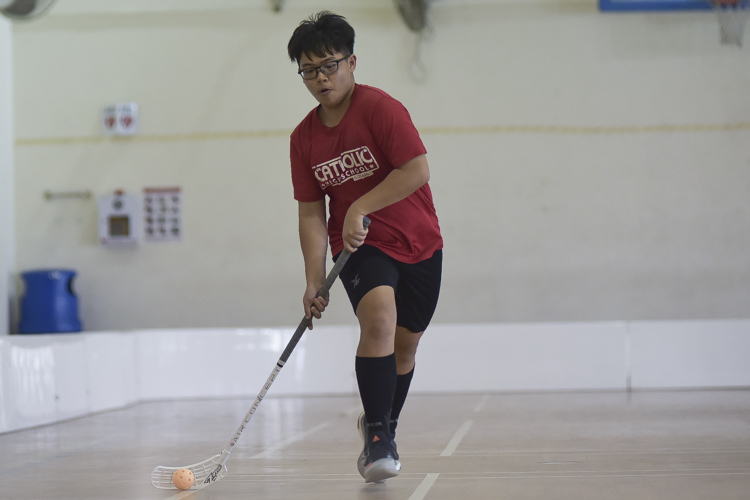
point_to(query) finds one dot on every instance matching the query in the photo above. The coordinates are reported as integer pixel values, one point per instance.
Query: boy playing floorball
(360, 149)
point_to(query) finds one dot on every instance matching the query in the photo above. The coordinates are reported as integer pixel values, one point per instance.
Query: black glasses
(328, 68)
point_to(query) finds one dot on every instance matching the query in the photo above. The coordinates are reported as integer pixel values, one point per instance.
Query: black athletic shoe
(378, 460)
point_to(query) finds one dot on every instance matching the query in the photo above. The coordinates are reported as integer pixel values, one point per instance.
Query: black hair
(321, 34)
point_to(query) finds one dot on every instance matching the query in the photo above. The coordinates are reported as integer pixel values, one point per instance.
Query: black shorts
(416, 286)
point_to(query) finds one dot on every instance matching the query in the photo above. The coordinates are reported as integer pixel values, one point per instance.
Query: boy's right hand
(313, 305)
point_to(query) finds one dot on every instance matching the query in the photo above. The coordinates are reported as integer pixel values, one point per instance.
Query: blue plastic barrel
(49, 304)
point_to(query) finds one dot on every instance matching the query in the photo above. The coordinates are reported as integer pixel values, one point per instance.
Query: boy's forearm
(313, 236)
(399, 184)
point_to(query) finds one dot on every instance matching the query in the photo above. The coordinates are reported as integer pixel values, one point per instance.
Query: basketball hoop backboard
(636, 5)
(732, 14)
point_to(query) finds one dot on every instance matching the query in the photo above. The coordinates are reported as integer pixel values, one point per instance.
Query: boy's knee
(378, 327)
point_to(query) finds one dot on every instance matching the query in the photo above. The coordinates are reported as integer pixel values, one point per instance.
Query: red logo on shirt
(355, 164)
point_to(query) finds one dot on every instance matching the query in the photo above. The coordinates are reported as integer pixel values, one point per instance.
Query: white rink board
(48, 378)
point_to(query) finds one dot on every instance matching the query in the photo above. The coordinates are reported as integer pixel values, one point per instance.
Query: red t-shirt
(344, 162)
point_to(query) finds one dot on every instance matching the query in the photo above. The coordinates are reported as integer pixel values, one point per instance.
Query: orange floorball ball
(183, 479)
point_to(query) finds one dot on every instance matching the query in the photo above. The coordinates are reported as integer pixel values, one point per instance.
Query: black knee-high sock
(402, 389)
(376, 378)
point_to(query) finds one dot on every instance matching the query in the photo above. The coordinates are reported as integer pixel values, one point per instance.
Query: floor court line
(293, 439)
(424, 487)
(582, 455)
(456, 440)
(480, 405)
(598, 475)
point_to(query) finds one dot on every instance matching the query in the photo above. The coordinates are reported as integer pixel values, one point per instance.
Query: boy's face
(333, 89)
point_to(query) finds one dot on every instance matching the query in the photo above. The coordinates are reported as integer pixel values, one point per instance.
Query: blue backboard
(640, 5)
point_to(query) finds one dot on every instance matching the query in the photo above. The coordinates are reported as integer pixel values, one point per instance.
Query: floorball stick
(214, 468)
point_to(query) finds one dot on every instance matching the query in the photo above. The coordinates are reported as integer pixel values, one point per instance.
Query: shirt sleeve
(306, 187)
(395, 132)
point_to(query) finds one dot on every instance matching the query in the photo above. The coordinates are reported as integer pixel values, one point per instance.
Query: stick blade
(205, 472)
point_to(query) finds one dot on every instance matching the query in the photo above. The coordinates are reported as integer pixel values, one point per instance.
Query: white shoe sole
(380, 470)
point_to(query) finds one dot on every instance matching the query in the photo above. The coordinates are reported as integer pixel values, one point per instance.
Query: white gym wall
(583, 164)
(7, 241)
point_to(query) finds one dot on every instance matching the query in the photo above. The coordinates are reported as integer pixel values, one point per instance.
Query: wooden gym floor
(599, 445)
